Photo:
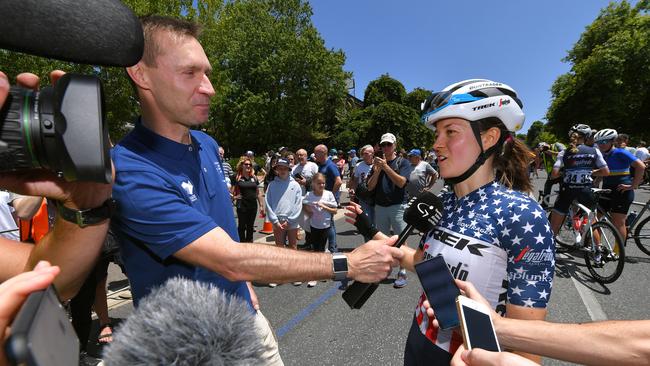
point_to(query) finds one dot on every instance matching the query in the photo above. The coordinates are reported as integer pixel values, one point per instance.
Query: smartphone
(476, 325)
(441, 290)
(41, 333)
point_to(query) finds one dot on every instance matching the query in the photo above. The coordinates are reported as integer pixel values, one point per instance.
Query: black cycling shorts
(567, 195)
(618, 202)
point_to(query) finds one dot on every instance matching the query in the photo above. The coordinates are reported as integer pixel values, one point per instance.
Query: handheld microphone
(422, 213)
(186, 322)
(96, 32)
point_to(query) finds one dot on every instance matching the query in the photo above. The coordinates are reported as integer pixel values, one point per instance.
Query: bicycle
(637, 225)
(598, 239)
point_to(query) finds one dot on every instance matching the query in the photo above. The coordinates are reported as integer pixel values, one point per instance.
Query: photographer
(68, 246)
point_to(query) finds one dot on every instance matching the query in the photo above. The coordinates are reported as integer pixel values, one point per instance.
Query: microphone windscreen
(95, 32)
(423, 211)
(186, 322)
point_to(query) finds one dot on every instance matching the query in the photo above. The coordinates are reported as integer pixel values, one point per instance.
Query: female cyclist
(491, 233)
(620, 181)
(580, 163)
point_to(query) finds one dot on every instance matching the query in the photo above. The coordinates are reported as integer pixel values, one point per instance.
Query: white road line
(593, 306)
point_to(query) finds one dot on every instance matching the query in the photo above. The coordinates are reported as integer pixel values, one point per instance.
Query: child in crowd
(283, 206)
(320, 205)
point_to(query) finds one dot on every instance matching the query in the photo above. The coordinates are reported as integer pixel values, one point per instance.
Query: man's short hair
(153, 24)
(367, 147)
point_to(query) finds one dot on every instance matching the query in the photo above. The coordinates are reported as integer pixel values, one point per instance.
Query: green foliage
(415, 98)
(533, 132)
(384, 89)
(609, 82)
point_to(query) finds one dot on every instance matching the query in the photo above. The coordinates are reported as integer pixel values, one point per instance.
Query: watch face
(340, 264)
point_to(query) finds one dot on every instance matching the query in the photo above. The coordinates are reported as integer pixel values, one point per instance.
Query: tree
(278, 84)
(533, 132)
(608, 85)
(384, 89)
(415, 98)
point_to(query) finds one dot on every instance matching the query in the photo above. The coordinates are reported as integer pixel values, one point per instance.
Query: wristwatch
(340, 265)
(89, 216)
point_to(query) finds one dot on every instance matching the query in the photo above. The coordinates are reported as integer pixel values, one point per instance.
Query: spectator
(332, 183)
(304, 171)
(283, 207)
(341, 163)
(247, 195)
(256, 167)
(388, 180)
(358, 186)
(422, 177)
(320, 205)
(353, 160)
(227, 169)
(642, 151)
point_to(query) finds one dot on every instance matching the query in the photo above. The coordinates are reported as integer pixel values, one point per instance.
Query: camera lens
(60, 128)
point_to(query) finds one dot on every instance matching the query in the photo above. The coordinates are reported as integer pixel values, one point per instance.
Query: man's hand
(372, 262)
(481, 357)
(379, 163)
(14, 292)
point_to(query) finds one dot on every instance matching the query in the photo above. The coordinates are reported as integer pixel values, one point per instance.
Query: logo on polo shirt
(188, 187)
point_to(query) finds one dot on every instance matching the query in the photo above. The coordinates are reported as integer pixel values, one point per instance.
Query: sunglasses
(384, 144)
(246, 164)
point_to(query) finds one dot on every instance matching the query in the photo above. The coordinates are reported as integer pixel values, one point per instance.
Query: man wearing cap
(422, 177)
(353, 160)
(388, 180)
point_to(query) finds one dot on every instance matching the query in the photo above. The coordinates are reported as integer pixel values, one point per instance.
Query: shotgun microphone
(96, 32)
(422, 212)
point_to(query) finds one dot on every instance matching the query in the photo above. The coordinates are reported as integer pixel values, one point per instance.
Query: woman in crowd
(247, 195)
(491, 233)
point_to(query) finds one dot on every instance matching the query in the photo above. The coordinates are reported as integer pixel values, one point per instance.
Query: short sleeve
(600, 161)
(156, 213)
(528, 241)
(559, 161)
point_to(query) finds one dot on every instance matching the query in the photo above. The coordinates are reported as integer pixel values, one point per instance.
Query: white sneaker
(297, 283)
(311, 283)
(272, 285)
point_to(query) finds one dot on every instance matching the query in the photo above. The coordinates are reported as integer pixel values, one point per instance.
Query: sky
(431, 44)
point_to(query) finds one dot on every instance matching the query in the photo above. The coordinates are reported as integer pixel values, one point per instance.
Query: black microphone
(422, 213)
(95, 32)
(187, 322)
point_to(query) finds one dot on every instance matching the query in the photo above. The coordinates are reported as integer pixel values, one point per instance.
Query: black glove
(364, 226)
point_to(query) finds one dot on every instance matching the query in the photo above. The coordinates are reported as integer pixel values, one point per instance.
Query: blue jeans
(331, 238)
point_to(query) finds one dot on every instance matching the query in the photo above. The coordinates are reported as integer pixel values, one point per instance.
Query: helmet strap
(482, 157)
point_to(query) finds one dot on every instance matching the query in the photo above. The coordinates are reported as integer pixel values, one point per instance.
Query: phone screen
(479, 330)
(441, 291)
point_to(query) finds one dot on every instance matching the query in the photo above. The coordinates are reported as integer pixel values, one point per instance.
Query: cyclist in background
(619, 180)
(580, 163)
(548, 155)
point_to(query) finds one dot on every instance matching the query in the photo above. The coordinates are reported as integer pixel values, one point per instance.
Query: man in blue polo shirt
(174, 216)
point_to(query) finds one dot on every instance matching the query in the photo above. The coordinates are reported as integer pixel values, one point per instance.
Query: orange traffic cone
(268, 227)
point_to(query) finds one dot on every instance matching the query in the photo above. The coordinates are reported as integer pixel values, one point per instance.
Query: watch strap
(89, 216)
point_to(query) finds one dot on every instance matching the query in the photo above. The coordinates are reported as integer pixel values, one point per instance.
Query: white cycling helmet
(475, 100)
(580, 128)
(543, 144)
(606, 134)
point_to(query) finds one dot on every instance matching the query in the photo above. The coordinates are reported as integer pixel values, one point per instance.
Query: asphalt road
(315, 326)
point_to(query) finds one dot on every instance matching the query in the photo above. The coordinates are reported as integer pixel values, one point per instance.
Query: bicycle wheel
(566, 237)
(606, 263)
(642, 235)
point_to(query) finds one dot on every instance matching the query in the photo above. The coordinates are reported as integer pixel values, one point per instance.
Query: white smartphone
(476, 325)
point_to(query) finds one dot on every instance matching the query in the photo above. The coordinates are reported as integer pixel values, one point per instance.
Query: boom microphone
(422, 213)
(186, 322)
(95, 32)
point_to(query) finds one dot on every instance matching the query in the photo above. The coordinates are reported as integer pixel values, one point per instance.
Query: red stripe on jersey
(456, 341)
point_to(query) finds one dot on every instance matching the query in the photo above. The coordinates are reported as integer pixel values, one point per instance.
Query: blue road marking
(304, 313)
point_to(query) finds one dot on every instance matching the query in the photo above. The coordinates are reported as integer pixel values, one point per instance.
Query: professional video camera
(63, 128)
(60, 128)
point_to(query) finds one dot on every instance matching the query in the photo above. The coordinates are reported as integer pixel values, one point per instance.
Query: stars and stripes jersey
(498, 239)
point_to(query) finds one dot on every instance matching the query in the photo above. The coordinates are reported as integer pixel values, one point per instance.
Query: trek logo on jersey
(535, 257)
(189, 188)
(456, 271)
(459, 242)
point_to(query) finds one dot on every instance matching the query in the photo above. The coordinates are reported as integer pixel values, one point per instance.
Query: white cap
(388, 137)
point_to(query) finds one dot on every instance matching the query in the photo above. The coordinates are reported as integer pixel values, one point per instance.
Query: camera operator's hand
(15, 290)
(67, 245)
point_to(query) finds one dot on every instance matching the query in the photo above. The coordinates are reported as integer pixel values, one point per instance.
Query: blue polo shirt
(168, 195)
(330, 171)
